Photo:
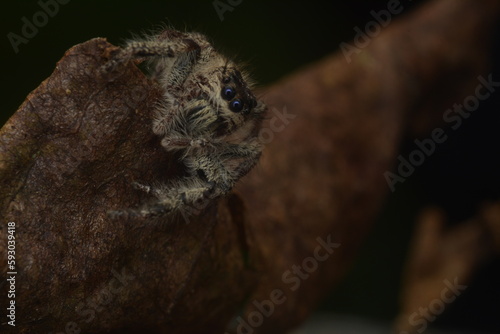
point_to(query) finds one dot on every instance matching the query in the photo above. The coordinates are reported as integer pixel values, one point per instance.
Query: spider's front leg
(180, 143)
(220, 170)
(185, 196)
(241, 158)
(184, 49)
(212, 176)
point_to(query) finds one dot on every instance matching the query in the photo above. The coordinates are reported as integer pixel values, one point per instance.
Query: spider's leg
(189, 195)
(157, 210)
(185, 50)
(141, 187)
(195, 117)
(219, 171)
(180, 143)
(240, 158)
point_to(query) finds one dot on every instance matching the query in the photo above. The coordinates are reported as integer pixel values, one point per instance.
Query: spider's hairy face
(237, 94)
(238, 105)
(226, 104)
(206, 94)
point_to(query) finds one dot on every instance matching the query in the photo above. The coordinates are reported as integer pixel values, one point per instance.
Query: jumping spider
(208, 112)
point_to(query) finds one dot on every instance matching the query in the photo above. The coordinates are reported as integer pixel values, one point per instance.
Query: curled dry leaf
(69, 154)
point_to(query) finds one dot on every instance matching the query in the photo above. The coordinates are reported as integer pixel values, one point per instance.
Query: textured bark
(73, 148)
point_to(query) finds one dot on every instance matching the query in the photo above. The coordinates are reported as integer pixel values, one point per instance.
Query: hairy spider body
(208, 112)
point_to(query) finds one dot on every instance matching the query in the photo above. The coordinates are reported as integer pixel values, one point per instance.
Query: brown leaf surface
(67, 156)
(73, 148)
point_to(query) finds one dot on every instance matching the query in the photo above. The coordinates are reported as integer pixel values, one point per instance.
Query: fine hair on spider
(208, 113)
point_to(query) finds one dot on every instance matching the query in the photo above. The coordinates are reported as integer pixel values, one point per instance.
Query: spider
(208, 112)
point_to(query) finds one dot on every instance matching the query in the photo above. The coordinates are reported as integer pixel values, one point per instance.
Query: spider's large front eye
(236, 105)
(228, 93)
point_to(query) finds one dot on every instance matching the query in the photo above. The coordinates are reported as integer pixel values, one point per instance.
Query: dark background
(275, 39)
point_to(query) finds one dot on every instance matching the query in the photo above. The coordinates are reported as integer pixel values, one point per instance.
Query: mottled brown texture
(441, 257)
(323, 174)
(68, 155)
(72, 149)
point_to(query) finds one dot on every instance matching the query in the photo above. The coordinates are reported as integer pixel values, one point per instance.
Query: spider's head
(237, 94)
(238, 105)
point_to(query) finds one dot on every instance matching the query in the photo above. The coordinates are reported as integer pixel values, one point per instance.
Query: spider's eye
(228, 93)
(236, 105)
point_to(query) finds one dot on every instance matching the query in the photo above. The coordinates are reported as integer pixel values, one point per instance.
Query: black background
(275, 39)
